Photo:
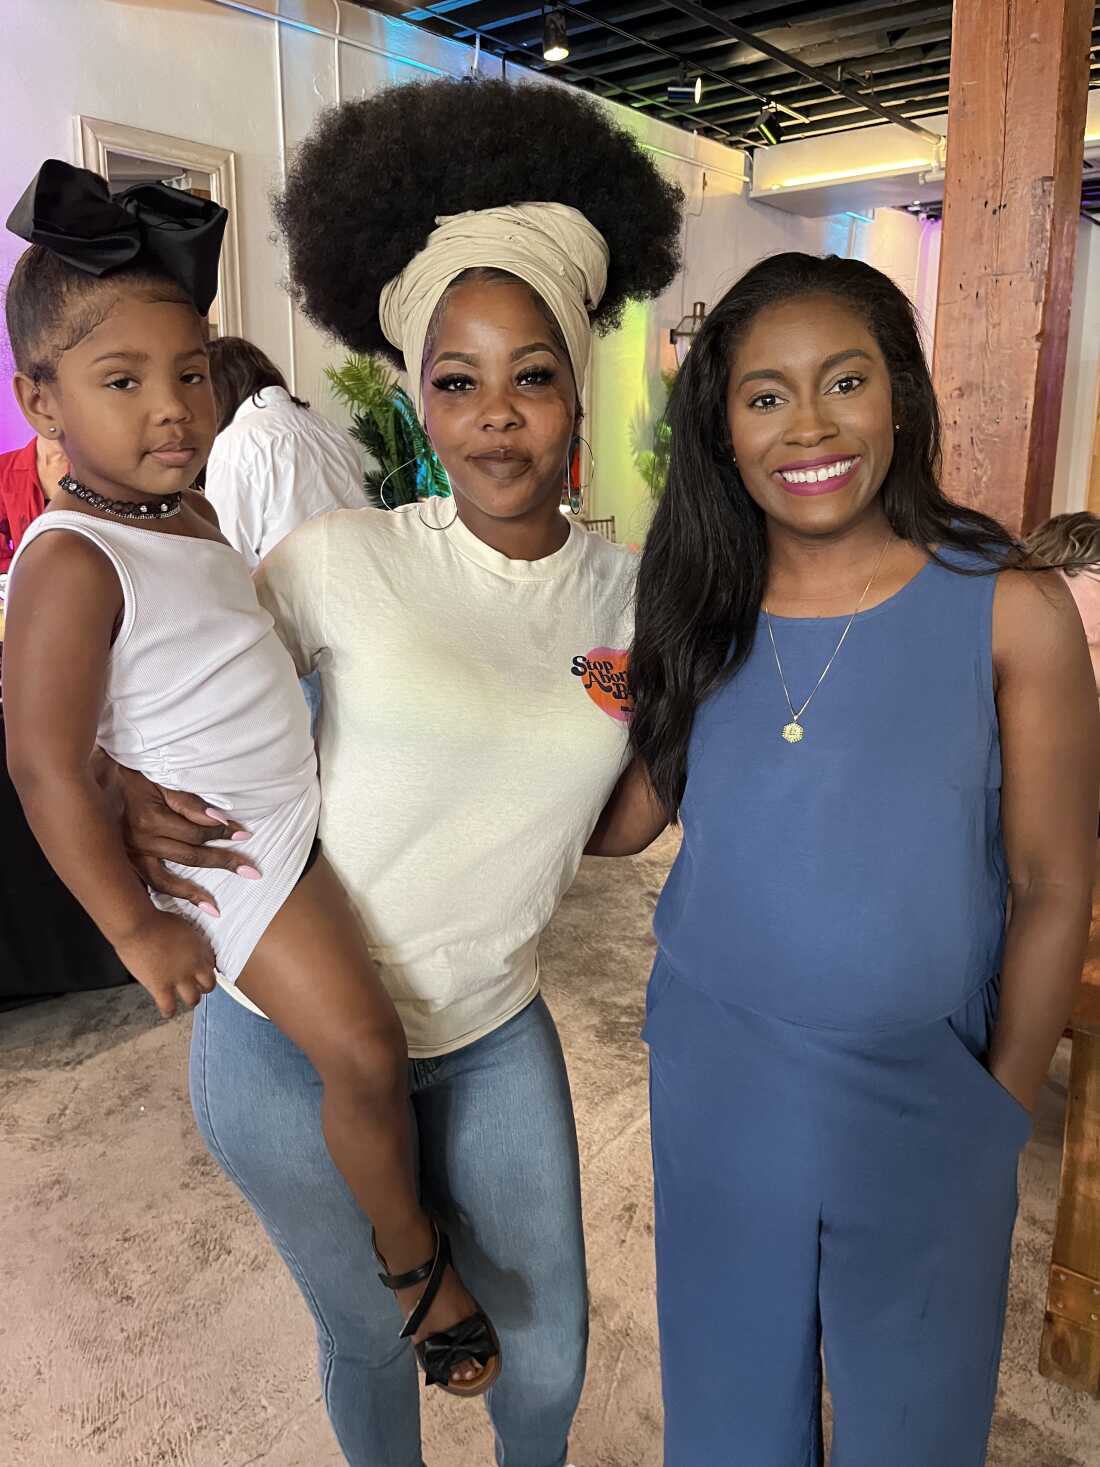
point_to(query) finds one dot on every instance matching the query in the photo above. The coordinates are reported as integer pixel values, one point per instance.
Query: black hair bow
(70, 212)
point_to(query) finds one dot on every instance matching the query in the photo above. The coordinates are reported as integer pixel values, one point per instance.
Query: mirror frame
(97, 137)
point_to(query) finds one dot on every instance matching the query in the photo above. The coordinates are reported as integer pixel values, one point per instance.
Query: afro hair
(365, 188)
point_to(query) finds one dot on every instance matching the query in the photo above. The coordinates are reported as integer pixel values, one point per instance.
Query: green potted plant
(384, 421)
(652, 460)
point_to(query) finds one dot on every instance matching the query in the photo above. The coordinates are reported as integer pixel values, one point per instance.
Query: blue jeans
(498, 1165)
(311, 689)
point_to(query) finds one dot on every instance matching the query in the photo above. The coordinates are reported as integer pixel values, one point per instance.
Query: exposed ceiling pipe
(723, 78)
(612, 90)
(736, 33)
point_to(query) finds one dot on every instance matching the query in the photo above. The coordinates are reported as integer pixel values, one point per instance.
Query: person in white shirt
(275, 462)
(472, 655)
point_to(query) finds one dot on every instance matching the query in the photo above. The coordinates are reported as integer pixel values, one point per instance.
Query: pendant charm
(793, 732)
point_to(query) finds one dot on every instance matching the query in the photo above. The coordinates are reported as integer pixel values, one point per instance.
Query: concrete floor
(145, 1322)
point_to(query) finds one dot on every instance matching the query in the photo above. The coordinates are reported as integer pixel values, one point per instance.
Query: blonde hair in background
(1069, 541)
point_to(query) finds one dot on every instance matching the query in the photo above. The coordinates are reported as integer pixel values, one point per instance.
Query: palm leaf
(384, 421)
(362, 382)
(652, 455)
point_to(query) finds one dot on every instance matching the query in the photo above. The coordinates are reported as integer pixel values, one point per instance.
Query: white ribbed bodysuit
(202, 696)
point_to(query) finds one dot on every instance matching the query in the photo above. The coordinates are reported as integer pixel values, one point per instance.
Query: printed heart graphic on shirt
(603, 672)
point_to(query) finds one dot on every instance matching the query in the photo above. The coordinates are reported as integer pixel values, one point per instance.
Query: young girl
(872, 729)
(133, 624)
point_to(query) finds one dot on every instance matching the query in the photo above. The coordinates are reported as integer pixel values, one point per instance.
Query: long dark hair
(238, 370)
(704, 569)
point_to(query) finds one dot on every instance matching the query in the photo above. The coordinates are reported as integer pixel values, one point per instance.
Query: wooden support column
(1016, 123)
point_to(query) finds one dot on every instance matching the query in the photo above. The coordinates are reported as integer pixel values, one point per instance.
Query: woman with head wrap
(471, 655)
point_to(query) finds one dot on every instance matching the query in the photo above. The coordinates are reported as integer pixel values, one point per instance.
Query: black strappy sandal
(471, 1339)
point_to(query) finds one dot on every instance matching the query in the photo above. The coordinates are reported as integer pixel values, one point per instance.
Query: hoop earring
(576, 495)
(386, 480)
(420, 517)
(438, 528)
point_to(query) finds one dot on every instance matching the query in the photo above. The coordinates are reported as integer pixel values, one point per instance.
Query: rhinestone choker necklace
(124, 509)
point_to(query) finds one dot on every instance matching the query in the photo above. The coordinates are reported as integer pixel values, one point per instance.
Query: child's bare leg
(313, 977)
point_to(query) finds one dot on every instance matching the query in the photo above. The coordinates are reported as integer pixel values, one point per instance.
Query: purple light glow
(13, 426)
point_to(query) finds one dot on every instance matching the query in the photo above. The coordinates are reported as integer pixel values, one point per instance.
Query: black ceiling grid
(827, 67)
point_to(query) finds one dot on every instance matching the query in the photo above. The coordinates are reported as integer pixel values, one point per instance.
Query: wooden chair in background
(606, 527)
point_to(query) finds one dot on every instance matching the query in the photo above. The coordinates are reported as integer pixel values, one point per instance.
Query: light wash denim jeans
(311, 688)
(498, 1165)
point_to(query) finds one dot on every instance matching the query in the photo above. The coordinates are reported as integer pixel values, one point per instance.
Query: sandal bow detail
(472, 1339)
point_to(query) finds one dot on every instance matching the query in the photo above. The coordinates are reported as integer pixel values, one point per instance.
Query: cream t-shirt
(473, 724)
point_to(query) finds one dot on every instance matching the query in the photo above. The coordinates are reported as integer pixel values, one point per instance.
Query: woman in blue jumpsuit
(873, 728)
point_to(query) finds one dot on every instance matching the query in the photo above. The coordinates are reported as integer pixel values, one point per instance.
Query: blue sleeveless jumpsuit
(832, 1158)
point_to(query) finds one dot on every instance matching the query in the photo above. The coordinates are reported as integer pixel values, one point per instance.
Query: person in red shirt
(29, 477)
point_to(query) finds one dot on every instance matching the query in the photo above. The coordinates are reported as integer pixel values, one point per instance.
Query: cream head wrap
(551, 247)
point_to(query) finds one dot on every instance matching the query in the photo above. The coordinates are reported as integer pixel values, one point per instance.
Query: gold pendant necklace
(794, 731)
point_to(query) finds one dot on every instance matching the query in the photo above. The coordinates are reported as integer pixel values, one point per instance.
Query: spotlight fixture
(683, 93)
(555, 35)
(767, 124)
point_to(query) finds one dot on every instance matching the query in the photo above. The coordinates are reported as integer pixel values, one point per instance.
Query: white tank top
(201, 694)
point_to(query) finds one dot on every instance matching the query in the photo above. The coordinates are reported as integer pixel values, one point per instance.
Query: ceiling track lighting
(555, 35)
(684, 93)
(767, 124)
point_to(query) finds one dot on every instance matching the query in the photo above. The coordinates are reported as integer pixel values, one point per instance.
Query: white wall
(928, 278)
(891, 243)
(1079, 395)
(214, 74)
(724, 234)
(191, 69)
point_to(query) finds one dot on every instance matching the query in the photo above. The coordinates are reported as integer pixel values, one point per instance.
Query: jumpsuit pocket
(998, 1101)
(659, 981)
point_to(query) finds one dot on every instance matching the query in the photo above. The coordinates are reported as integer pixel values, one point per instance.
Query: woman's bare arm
(65, 602)
(1094, 658)
(631, 820)
(63, 608)
(1050, 741)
